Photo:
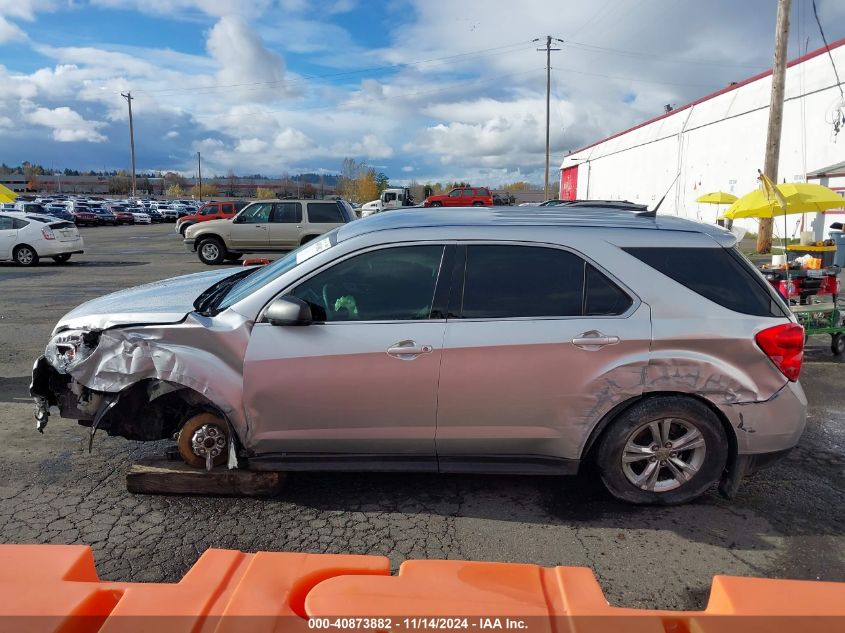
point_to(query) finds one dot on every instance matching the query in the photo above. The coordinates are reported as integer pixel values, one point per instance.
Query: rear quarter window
(325, 213)
(722, 275)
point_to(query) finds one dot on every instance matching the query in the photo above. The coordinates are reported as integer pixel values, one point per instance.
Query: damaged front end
(53, 386)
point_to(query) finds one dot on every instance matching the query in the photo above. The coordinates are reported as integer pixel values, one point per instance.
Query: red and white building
(717, 143)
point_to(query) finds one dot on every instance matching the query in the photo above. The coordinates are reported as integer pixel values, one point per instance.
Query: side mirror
(289, 310)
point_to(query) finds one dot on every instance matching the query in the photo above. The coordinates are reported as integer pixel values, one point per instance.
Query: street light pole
(128, 96)
(199, 176)
(548, 48)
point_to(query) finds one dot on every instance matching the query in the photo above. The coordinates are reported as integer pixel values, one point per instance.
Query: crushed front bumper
(49, 388)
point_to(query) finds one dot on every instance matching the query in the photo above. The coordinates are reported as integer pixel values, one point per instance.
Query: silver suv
(461, 340)
(266, 226)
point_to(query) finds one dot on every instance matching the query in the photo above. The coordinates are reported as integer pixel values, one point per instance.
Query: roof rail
(607, 204)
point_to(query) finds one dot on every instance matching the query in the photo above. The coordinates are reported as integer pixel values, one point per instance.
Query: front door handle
(408, 350)
(594, 340)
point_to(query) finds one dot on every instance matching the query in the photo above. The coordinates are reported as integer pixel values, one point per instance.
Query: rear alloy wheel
(211, 251)
(663, 451)
(204, 440)
(25, 256)
(61, 259)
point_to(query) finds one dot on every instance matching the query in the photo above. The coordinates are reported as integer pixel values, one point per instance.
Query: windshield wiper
(208, 300)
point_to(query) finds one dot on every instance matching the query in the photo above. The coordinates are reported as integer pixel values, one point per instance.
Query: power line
(647, 81)
(496, 50)
(405, 95)
(827, 48)
(660, 58)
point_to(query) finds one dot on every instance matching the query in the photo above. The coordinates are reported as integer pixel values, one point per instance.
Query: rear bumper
(772, 426)
(56, 247)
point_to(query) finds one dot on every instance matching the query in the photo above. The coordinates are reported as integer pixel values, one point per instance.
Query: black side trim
(475, 464)
(352, 462)
(508, 464)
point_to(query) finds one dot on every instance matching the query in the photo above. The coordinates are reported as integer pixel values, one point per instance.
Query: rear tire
(478, 204)
(662, 451)
(437, 204)
(61, 259)
(211, 251)
(25, 255)
(837, 343)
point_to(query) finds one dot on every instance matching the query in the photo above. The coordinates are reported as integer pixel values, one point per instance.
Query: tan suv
(266, 226)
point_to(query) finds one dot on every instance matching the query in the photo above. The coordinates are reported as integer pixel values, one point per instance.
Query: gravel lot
(786, 522)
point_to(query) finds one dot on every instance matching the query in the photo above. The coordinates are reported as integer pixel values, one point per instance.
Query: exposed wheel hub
(207, 442)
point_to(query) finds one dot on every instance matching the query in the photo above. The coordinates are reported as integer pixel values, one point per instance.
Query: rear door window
(287, 212)
(228, 207)
(6, 223)
(508, 281)
(324, 213)
(17, 223)
(721, 275)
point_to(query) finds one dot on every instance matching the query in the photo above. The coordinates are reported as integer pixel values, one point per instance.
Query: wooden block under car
(167, 477)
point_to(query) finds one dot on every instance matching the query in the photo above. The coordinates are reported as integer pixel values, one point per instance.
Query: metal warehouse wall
(718, 143)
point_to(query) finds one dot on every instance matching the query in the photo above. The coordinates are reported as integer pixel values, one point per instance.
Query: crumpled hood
(165, 301)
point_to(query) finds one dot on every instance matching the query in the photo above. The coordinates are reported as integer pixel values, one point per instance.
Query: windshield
(262, 277)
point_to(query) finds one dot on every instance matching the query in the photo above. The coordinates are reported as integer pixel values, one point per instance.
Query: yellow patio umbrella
(7, 195)
(785, 199)
(717, 197)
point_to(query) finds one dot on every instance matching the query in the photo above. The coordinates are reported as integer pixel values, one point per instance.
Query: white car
(27, 237)
(140, 217)
(169, 213)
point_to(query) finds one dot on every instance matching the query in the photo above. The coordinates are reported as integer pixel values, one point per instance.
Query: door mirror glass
(288, 310)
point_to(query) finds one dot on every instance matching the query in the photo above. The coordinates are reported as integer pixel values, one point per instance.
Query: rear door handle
(408, 350)
(594, 340)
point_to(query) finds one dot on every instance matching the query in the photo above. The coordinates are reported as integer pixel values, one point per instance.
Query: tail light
(47, 232)
(784, 345)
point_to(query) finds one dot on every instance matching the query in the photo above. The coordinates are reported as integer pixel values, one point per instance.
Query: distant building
(717, 143)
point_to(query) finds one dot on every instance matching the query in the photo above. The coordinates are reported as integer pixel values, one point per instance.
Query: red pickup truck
(462, 197)
(210, 211)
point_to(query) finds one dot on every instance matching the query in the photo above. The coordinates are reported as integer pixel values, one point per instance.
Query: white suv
(26, 237)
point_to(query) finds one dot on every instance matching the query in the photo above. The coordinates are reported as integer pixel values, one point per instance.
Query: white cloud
(10, 32)
(408, 169)
(243, 59)
(67, 125)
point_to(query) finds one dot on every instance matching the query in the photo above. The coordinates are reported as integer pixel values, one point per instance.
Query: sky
(424, 90)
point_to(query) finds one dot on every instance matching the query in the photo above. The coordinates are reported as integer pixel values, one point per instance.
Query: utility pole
(199, 174)
(128, 96)
(770, 168)
(548, 48)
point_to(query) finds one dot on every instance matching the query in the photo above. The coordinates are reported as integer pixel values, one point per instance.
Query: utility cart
(814, 298)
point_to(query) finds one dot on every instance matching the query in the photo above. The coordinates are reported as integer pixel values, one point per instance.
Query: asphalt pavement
(787, 522)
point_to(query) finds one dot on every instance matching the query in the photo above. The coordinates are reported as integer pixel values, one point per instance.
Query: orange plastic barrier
(55, 588)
